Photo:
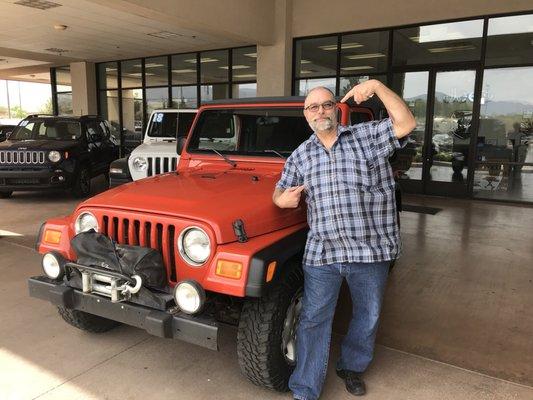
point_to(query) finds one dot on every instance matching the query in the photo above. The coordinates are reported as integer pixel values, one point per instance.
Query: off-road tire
(85, 321)
(259, 337)
(82, 183)
(5, 195)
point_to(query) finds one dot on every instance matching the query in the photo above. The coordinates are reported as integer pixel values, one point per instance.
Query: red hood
(217, 198)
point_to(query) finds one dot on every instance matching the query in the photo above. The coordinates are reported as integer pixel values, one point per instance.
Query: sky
(32, 95)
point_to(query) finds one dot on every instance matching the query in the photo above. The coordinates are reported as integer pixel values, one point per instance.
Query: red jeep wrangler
(178, 253)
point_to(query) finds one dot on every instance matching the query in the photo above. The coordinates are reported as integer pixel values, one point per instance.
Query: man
(351, 211)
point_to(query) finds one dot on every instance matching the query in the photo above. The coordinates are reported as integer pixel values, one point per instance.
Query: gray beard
(324, 125)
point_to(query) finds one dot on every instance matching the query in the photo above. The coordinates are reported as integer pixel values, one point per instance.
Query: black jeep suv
(56, 152)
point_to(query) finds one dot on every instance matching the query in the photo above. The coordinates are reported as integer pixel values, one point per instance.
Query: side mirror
(181, 144)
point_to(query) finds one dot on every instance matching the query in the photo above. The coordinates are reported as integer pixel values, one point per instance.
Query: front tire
(85, 321)
(267, 330)
(82, 184)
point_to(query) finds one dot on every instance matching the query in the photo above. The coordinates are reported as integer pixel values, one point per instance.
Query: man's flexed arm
(403, 120)
(288, 198)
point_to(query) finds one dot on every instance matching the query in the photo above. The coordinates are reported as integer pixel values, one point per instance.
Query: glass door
(447, 154)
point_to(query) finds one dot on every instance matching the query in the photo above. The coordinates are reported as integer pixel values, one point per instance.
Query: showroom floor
(456, 324)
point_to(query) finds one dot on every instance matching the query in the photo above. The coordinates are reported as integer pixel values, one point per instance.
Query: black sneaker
(353, 381)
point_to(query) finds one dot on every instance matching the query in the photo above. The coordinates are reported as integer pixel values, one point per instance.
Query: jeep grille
(135, 232)
(159, 165)
(14, 157)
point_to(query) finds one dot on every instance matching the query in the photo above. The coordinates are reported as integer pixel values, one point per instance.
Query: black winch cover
(95, 249)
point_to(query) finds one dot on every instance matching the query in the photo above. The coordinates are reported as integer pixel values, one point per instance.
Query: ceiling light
(39, 4)
(451, 48)
(59, 27)
(149, 65)
(244, 75)
(202, 60)
(56, 50)
(165, 35)
(136, 74)
(253, 55)
(351, 45)
(364, 56)
(235, 67)
(306, 71)
(305, 62)
(110, 69)
(183, 71)
(356, 68)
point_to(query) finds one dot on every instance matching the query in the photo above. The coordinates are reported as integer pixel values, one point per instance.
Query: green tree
(47, 107)
(18, 112)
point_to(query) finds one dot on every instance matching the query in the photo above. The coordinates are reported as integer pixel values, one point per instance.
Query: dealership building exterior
(465, 69)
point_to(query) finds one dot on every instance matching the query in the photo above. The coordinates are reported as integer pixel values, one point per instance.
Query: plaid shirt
(349, 191)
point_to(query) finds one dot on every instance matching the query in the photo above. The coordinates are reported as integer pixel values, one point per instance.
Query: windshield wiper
(231, 162)
(275, 152)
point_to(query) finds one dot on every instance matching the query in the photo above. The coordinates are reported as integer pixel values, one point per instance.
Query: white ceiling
(95, 32)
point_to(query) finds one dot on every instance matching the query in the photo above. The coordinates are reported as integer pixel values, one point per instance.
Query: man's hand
(362, 92)
(288, 198)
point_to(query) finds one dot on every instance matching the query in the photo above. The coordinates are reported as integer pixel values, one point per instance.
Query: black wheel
(266, 338)
(5, 195)
(82, 184)
(85, 321)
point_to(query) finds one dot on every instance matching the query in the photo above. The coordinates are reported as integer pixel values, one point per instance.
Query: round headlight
(52, 266)
(194, 246)
(189, 296)
(54, 156)
(140, 164)
(85, 222)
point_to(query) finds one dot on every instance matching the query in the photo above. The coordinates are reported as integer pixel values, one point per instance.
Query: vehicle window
(357, 117)
(95, 132)
(164, 125)
(104, 129)
(250, 132)
(185, 121)
(47, 129)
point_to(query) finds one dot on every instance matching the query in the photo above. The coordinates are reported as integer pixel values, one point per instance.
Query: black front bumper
(34, 180)
(199, 330)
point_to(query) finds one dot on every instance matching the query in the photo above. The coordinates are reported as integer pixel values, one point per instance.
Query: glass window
(156, 98)
(63, 79)
(214, 92)
(64, 103)
(156, 71)
(131, 73)
(132, 118)
(244, 64)
(184, 97)
(317, 57)
(243, 90)
(303, 86)
(184, 69)
(504, 148)
(437, 44)
(109, 110)
(510, 40)
(171, 124)
(214, 66)
(47, 129)
(413, 88)
(347, 83)
(107, 75)
(364, 53)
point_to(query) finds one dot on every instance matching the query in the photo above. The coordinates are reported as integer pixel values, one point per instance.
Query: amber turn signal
(52, 237)
(270, 271)
(229, 269)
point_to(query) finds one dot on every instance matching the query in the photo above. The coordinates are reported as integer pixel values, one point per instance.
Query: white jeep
(157, 153)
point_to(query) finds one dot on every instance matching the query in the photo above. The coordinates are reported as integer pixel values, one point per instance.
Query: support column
(274, 63)
(83, 78)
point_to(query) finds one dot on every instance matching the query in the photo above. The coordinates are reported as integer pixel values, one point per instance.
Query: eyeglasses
(327, 105)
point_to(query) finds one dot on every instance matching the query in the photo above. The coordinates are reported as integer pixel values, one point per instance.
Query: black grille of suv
(160, 165)
(18, 157)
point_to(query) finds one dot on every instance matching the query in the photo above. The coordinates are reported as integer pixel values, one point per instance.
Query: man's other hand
(288, 198)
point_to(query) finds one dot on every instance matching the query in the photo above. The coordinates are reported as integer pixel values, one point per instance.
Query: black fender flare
(281, 251)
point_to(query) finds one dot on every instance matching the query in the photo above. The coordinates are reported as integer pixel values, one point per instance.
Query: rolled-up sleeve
(290, 175)
(381, 134)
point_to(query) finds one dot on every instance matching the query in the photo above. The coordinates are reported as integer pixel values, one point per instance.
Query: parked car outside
(157, 154)
(5, 130)
(218, 249)
(56, 152)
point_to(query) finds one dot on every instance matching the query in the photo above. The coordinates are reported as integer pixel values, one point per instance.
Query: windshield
(250, 131)
(171, 124)
(47, 129)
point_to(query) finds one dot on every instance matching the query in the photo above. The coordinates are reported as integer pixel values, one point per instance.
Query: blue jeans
(321, 290)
